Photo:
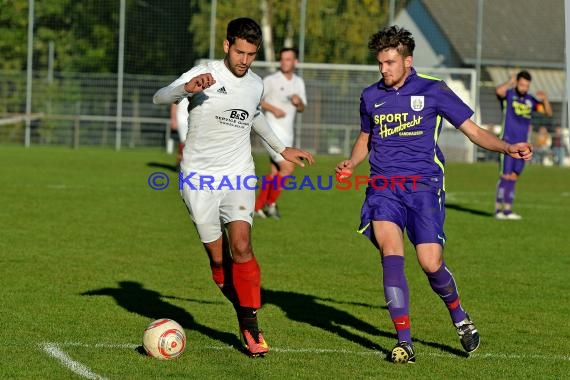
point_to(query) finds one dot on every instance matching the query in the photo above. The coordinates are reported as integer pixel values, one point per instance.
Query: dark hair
(525, 75)
(392, 37)
(244, 28)
(286, 49)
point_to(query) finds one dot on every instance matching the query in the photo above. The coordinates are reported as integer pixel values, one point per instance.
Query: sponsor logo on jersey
(417, 103)
(234, 117)
(522, 109)
(400, 122)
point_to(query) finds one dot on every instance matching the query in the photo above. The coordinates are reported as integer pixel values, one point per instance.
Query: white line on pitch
(481, 355)
(489, 355)
(53, 350)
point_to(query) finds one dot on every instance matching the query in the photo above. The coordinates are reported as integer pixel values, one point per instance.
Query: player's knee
(241, 249)
(431, 265)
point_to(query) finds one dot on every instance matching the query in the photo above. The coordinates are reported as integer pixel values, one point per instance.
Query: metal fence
(61, 100)
(79, 109)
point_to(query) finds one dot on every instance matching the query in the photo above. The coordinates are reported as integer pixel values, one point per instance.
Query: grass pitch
(90, 255)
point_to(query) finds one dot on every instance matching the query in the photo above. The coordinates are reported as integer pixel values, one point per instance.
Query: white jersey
(182, 119)
(220, 120)
(278, 92)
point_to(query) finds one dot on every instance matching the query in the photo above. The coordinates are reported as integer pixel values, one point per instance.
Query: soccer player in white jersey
(179, 123)
(283, 97)
(217, 176)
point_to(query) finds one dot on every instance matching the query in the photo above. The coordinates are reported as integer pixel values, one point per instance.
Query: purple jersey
(517, 113)
(405, 125)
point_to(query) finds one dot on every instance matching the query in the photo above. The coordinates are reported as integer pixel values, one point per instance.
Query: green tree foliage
(157, 38)
(165, 37)
(337, 31)
(13, 24)
(83, 32)
(85, 35)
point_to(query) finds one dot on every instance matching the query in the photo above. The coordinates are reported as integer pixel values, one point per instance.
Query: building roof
(516, 33)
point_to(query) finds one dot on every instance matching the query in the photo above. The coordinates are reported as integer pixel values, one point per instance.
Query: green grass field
(90, 255)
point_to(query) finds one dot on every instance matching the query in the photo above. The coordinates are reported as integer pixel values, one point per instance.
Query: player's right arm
(501, 90)
(186, 85)
(359, 153)
(276, 111)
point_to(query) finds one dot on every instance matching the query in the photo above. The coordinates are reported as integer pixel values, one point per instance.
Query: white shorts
(210, 210)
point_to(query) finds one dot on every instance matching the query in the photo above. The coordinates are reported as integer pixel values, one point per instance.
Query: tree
(85, 35)
(336, 30)
(13, 24)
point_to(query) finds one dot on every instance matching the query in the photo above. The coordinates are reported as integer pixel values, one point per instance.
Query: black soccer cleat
(403, 353)
(272, 211)
(468, 335)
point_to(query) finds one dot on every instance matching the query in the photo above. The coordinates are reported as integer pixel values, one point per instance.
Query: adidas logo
(222, 90)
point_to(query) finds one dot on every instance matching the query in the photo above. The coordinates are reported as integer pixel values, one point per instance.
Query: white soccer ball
(164, 339)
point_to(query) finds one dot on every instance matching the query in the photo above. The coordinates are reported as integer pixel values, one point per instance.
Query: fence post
(346, 145)
(169, 141)
(27, 134)
(76, 125)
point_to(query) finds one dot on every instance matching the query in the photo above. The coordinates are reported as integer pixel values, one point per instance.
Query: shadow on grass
(456, 207)
(133, 297)
(310, 309)
(172, 168)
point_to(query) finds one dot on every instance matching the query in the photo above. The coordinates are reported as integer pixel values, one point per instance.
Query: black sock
(247, 318)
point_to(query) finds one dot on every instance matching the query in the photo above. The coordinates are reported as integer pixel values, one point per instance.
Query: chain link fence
(73, 103)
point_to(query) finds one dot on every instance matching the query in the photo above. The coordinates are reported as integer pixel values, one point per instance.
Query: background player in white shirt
(179, 123)
(224, 97)
(284, 95)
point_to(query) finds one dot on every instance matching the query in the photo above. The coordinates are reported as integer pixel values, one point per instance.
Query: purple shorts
(511, 165)
(420, 212)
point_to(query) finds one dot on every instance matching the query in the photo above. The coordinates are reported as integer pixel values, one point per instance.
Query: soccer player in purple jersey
(517, 105)
(400, 123)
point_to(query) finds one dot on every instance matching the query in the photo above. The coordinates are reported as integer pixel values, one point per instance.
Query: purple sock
(443, 285)
(509, 194)
(500, 198)
(397, 295)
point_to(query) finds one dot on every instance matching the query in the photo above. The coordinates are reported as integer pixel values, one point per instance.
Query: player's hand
(278, 112)
(297, 156)
(296, 100)
(541, 95)
(199, 83)
(520, 150)
(344, 169)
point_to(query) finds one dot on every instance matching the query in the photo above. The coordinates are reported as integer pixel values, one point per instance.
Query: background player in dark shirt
(518, 106)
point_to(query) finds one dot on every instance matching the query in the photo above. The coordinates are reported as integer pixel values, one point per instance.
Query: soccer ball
(164, 339)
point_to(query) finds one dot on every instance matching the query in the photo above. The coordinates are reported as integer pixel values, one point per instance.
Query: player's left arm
(541, 95)
(487, 140)
(298, 103)
(294, 155)
(299, 100)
